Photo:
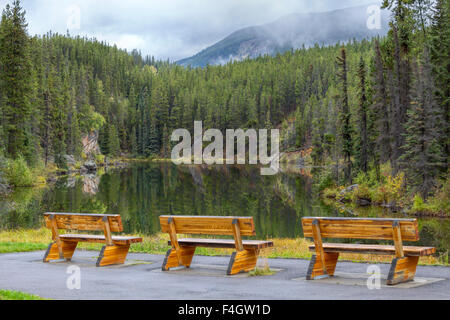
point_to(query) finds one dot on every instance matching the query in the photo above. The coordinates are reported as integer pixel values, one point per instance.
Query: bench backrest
(361, 228)
(208, 225)
(83, 221)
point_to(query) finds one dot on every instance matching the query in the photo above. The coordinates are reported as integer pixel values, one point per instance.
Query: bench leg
(316, 269)
(242, 261)
(52, 253)
(111, 255)
(171, 259)
(402, 270)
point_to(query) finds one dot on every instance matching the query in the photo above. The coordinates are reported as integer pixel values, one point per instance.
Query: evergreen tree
(15, 81)
(345, 115)
(422, 157)
(113, 141)
(440, 59)
(363, 135)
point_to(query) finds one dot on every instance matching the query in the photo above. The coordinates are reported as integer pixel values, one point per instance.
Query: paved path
(142, 278)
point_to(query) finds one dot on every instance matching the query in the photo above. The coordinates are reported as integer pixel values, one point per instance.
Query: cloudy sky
(167, 29)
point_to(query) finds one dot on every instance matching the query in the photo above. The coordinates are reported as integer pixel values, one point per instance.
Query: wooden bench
(63, 246)
(323, 263)
(182, 251)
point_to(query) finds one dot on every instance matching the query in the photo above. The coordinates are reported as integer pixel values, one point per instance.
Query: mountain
(291, 31)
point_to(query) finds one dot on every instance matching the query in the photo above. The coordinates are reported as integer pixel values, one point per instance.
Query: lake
(143, 191)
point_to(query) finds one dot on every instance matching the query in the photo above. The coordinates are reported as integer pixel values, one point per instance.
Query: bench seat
(403, 266)
(246, 252)
(62, 247)
(409, 251)
(120, 240)
(223, 243)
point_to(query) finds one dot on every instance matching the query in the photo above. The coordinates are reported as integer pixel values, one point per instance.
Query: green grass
(16, 295)
(10, 247)
(25, 240)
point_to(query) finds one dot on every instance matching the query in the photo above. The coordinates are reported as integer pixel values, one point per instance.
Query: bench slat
(208, 225)
(83, 222)
(375, 249)
(99, 238)
(361, 228)
(223, 243)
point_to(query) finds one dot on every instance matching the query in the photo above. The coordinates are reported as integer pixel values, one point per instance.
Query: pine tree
(440, 59)
(422, 157)
(15, 81)
(380, 107)
(363, 135)
(345, 115)
(113, 141)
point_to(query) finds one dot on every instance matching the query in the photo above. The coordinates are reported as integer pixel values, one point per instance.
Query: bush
(99, 159)
(418, 204)
(325, 181)
(19, 174)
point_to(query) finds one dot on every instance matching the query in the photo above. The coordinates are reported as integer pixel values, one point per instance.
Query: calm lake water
(142, 192)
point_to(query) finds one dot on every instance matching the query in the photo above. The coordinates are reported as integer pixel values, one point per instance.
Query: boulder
(89, 166)
(70, 159)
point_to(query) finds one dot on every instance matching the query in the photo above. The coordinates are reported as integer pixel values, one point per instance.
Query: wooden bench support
(242, 261)
(53, 252)
(178, 257)
(114, 254)
(316, 268)
(402, 270)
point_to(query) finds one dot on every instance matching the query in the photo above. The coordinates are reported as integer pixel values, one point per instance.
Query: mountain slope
(291, 31)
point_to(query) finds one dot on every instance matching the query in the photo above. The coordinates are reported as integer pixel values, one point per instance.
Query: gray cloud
(167, 29)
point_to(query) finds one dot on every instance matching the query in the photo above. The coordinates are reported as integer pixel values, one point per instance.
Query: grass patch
(16, 295)
(260, 272)
(9, 247)
(39, 239)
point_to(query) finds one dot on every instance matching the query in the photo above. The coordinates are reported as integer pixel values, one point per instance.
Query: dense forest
(358, 105)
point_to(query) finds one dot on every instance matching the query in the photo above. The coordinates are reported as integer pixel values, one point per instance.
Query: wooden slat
(375, 249)
(99, 238)
(398, 243)
(361, 228)
(55, 236)
(237, 235)
(83, 222)
(223, 243)
(319, 245)
(208, 225)
(107, 231)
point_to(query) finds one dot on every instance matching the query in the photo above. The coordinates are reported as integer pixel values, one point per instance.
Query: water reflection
(142, 192)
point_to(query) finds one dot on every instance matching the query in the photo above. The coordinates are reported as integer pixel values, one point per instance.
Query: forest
(369, 111)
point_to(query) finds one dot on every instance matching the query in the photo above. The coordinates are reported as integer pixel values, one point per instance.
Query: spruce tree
(422, 151)
(363, 135)
(15, 81)
(345, 115)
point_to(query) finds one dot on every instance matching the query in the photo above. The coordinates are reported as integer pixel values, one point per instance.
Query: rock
(348, 189)
(364, 202)
(70, 159)
(90, 184)
(90, 144)
(89, 166)
(4, 189)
